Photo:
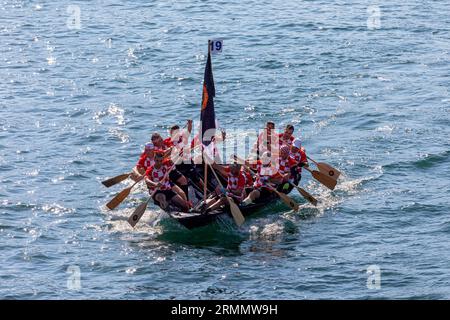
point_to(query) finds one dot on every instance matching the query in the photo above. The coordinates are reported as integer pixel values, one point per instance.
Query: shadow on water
(269, 223)
(221, 234)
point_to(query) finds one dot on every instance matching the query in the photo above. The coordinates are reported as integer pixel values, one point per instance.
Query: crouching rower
(298, 154)
(266, 174)
(287, 168)
(156, 178)
(236, 182)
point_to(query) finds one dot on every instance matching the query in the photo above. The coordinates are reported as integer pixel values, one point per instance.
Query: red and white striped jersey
(157, 175)
(299, 157)
(248, 178)
(235, 183)
(145, 162)
(283, 141)
(286, 165)
(264, 174)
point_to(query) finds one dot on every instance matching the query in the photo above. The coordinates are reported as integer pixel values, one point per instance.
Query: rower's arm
(150, 182)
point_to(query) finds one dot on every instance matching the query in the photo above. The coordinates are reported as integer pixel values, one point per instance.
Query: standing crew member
(264, 141)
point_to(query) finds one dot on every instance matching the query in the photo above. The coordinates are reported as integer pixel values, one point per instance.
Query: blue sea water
(366, 84)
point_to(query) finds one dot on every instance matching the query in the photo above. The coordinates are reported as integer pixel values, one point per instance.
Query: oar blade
(112, 181)
(118, 198)
(328, 170)
(328, 182)
(307, 196)
(236, 212)
(288, 201)
(137, 214)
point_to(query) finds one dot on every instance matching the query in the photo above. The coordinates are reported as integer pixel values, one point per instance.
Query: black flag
(207, 115)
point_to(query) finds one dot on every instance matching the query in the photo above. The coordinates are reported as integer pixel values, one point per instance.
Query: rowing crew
(245, 184)
(248, 182)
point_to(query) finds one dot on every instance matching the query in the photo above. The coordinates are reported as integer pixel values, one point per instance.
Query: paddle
(138, 212)
(328, 182)
(305, 194)
(235, 211)
(121, 196)
(112, 181)
(327, 169)
(286, 199)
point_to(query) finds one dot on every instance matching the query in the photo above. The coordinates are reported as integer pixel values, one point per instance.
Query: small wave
(271, 231)
(430, 160)
(57, 209)
(427, 161)
(113, 110)
(119, 134)
(423, 208)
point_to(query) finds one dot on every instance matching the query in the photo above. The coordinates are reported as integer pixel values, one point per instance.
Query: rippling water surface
(77, 105)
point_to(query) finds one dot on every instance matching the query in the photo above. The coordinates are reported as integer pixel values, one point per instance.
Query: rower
(165, 193)
(235, 187)
(178, 139)
(287, 137)
(158, 142)
(266, 174)
(298, 154)
(146, 160)
(175, 176)
(264, 141)
(286, 164)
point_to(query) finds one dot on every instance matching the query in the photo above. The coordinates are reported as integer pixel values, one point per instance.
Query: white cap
(297, 143)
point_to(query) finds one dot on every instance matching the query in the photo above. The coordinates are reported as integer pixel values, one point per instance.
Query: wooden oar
(286, 199)
(138, 213)
(328, 182)
(140, 210)
(327, 169)
(120, 196)
(112, 181)
(306, 194)
(235, 211)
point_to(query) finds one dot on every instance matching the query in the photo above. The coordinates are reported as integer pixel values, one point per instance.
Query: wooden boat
(197, 218)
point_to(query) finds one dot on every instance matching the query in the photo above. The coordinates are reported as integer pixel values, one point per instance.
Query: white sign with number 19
(216, 46)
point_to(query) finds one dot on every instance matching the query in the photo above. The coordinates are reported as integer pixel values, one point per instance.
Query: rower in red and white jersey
(286, 163)
(287, 137)
(179, 142)
(235, 189)
(176, 177)
(298, 154)
(159, 143)
(146, 160)
(157, 178)
(156, 175)
(267, 174)
(264, 141)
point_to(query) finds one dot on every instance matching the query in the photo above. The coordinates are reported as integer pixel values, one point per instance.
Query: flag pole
(205, 170)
